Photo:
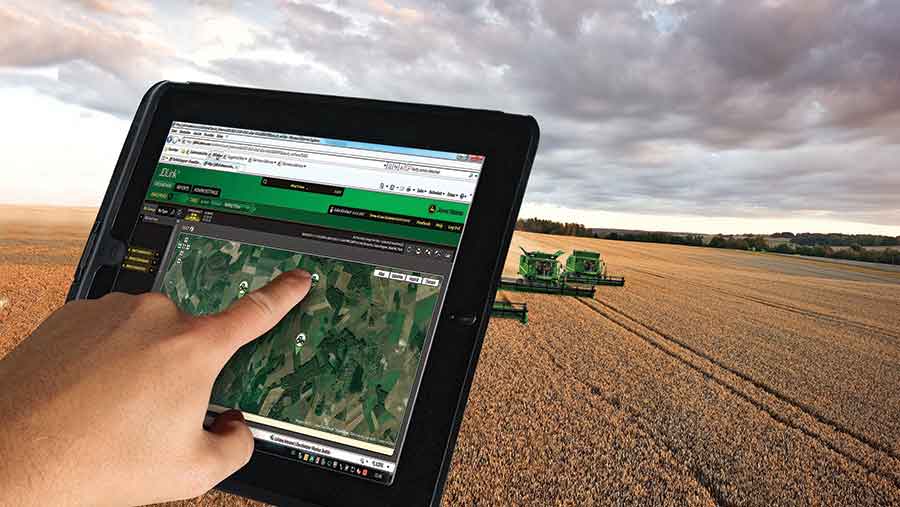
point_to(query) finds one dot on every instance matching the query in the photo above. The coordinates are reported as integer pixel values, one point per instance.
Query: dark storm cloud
(741, 108)
(840, 53)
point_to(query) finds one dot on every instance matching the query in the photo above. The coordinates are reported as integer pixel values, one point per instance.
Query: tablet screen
(333, 385)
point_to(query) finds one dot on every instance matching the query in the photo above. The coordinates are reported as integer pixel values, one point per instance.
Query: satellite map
(343, 361)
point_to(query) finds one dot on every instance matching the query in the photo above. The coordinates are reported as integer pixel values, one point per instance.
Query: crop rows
(731, 383)
(712, 378)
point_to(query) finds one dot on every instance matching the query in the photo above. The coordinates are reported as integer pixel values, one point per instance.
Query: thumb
(230, 443)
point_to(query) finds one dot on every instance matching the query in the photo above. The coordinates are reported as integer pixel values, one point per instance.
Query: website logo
(435, 209)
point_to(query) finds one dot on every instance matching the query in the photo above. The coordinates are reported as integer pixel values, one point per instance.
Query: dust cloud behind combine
(712, 378)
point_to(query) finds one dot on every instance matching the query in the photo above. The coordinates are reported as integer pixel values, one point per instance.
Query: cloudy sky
(688, 115)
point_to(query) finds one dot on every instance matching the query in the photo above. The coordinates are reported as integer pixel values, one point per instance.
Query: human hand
(104, 403)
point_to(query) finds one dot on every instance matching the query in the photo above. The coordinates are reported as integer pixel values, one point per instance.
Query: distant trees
(857, 247)
(842, 246)
(784, 248)
(835, 239)
(853, 253)
(544, 226)
(658, 237)
(739, 242)
(886, 256)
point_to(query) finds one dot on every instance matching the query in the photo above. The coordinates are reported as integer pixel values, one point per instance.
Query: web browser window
(228, 209)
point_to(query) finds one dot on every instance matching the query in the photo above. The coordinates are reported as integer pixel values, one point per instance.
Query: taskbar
(323, 456)
(318, 455)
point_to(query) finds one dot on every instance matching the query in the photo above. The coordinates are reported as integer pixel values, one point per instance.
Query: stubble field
(712, 378)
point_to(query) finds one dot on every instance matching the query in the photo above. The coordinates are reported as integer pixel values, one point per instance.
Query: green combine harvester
(540, 273)
(584, 266)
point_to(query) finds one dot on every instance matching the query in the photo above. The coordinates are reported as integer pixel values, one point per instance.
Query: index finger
(258, 311)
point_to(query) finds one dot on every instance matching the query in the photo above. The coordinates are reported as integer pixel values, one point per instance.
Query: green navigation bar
(311, 204)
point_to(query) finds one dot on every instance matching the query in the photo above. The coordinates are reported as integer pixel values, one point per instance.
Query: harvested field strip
(865, 300)
(783, 306)
(765, 262)
(887, 467)
(859, 266)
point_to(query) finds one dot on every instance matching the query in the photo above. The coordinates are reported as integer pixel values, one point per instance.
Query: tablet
(401, 212)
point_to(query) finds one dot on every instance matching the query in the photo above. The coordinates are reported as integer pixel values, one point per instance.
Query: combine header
(540, 273)
(510, 310)
(588, 267)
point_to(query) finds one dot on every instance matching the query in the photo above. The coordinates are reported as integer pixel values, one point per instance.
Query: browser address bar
(276, 144)
(248, 155)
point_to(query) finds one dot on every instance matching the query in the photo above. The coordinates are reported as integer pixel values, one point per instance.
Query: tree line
(853, 253)
(836, 239)
(550, 227)
(658, 237)
(809, 244)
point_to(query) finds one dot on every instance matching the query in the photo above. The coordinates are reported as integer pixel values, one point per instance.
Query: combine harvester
(541, 272)
(588, 267)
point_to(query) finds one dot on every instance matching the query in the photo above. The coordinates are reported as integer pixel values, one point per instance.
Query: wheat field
(713, 378)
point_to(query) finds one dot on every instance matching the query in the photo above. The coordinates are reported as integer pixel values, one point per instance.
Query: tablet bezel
(508, 143)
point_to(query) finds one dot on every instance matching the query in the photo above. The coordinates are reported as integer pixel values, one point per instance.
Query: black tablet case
(102, 253)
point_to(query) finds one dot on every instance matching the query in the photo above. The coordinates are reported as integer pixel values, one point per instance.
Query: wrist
(33, 471)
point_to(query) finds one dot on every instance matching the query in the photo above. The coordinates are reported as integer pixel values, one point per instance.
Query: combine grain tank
(588, 267)
(539, 266)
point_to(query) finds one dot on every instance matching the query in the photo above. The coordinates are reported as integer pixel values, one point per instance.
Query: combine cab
(540, 272)
(588, 267)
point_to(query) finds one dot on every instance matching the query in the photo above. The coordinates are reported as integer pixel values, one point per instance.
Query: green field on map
(343, 361)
